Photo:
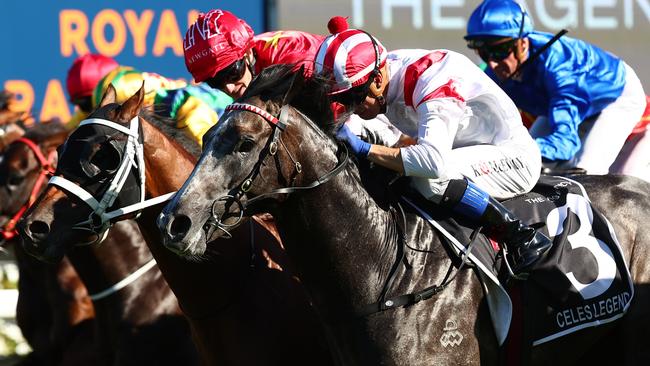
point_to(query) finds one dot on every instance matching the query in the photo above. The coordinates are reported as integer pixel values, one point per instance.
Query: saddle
(583, 280)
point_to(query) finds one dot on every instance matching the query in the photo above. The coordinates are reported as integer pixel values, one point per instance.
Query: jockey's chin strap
(8, 231)
(278, 124)
(99, 220)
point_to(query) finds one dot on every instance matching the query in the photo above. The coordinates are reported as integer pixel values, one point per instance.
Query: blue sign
(42, 38)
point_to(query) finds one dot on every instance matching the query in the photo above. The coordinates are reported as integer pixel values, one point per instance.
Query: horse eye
(15, 180)
(246, 145)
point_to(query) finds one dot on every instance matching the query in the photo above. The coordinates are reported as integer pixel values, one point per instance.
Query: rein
(412, 298)
(99, 220)
(8, 231)
(278, 124)
(124, 282)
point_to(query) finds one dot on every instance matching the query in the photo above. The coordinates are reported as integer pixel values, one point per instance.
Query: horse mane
(311, 96)
(168, 127)
(41, 131)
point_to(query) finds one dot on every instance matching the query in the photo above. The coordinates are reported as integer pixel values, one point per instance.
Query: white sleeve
(438, 121)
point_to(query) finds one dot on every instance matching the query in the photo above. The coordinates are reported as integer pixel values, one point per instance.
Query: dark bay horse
(275, 151)
(55, 310)
(241, 311)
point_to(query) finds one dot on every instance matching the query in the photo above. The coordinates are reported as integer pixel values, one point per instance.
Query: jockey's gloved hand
(359, 147)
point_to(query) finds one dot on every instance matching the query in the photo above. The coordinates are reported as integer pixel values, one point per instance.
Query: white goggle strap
(128, 161)
(139, 150)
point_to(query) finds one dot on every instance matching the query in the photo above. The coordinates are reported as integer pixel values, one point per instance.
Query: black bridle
(278, 124)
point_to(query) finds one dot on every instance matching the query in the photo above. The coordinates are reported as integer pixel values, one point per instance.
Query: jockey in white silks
(471, 145)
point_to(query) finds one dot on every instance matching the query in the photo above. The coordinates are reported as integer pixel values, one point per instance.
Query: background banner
(42, 38)
(618, 26)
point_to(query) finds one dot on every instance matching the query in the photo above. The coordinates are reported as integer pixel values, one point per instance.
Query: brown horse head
(89, 161)
(24, 169)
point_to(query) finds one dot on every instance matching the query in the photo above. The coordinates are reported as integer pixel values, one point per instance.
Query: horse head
(26, 164)
(263, 149)
(100, 170)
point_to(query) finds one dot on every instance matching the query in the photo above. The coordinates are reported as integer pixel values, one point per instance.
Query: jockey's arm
(438, 122)
(388, 157)
(566, 112)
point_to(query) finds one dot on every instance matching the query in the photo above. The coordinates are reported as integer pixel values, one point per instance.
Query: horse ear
(110, 95)
(132, 106)
(296, 87)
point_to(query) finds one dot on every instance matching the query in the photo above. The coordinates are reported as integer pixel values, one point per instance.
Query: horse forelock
(309, 97)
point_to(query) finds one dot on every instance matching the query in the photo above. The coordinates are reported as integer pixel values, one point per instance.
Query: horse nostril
(39, 229)
(180, 226)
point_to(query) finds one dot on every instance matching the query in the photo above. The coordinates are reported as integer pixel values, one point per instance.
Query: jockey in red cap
(195, 108)
(222, 50)
(84, 74)
(471, 144)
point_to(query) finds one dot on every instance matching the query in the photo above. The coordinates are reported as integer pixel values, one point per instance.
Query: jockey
(193, 107)
(222, 50)
(471, 145)
(586, 99)
(84, 74)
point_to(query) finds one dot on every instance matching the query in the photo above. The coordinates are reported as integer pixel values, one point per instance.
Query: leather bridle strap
(281, 124)
(8, 232)
(320, 180)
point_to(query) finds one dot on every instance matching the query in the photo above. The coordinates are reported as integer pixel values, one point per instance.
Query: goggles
(492, 51)
(352, 97)
(232, 73)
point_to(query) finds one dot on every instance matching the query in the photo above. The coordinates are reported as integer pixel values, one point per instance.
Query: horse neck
(167, 164)
(120, 254)
(167, 167)
(331, 222)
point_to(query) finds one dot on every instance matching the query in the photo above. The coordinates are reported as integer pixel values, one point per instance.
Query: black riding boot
(525, 244)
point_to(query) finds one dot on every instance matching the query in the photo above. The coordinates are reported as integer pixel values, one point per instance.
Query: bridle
(99, 220)
(8, 231)
(279, 124)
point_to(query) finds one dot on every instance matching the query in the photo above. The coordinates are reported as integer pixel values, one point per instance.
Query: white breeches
(502, 171)
(604, 135)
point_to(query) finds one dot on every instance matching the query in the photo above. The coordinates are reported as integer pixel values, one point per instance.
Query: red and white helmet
(86, 72)
(348, 56)
(214, 41)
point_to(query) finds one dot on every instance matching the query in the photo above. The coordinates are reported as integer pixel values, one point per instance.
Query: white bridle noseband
(133, 157)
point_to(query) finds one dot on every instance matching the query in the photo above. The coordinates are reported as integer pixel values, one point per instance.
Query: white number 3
(583, 239)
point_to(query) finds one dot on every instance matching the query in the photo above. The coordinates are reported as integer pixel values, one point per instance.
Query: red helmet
(348, 56)
(86, 72)
(214, 41)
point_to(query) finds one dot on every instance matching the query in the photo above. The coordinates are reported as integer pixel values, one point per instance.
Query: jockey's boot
(525, 244)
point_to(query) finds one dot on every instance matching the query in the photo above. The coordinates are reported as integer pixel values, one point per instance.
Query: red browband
(251, 108)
